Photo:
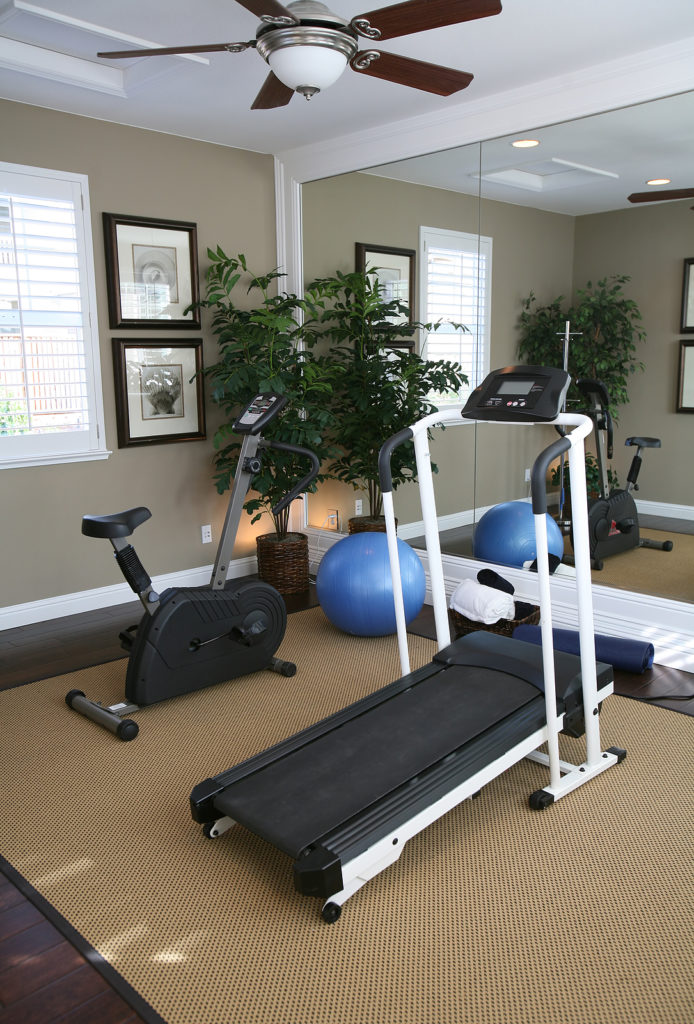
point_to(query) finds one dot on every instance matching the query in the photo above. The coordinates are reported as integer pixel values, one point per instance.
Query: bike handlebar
(284, 446)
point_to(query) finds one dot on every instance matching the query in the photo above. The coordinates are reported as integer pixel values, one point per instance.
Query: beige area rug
(667, 574)
(496, 914)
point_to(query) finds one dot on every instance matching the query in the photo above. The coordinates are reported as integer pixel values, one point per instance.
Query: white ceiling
(48, 58)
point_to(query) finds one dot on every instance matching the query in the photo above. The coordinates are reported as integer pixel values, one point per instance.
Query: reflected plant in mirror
(605, 328)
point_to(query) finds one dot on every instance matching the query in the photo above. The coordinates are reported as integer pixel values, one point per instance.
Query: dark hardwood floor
(44, 978)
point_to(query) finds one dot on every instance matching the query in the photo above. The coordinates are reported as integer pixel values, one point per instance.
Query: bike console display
(259, 413)
(519, 393)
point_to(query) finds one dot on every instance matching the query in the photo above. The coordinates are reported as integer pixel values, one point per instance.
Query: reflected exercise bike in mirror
(613, 519)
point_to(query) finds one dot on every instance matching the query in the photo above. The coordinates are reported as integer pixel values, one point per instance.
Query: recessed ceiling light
(658, 181)
(525, 143)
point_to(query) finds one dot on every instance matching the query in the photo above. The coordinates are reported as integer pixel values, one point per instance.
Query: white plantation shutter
(50, 393)
(456, 287)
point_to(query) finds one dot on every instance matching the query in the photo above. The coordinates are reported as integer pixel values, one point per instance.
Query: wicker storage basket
(460, 624)
(283, 563)
(367, 524)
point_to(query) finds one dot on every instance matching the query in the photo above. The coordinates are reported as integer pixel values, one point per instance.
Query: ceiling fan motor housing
(332, 44)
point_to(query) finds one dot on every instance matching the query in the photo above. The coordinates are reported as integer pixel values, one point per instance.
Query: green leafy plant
(268, 347)
(593, 482)
(380, 386)
(13, 417)
(609, 325)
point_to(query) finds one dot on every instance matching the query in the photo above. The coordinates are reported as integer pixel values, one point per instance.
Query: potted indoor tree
(381, 384)
(267, 347)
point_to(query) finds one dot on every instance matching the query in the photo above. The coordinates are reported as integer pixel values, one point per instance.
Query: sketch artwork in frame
(152, 272)
(687, 325)
(395, 270)
(685, 383)
(159, 391)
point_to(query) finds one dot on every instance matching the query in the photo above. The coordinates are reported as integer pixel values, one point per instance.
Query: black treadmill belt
(295, 800)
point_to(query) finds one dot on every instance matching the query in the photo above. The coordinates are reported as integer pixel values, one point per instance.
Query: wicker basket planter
(283, 563)
(367, 524)
(460, 624)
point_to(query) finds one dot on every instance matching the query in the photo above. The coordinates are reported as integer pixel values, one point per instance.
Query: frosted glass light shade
(314, 66)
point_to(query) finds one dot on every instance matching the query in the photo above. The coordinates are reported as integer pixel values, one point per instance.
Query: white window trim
(69, 447)
(458, 240)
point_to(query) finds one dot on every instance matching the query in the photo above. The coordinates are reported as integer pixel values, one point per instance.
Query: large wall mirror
(557, 217)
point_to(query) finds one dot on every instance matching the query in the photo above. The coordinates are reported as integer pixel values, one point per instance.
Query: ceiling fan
(660, 197)
(308, 47)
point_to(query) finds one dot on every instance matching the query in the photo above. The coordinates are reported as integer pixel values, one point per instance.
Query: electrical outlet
(527, 476)
(333, 519)
(358, 505)
(206, 534)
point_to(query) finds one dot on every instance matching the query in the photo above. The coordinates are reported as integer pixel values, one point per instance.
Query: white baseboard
(668, 625)
(106, 597)
(665, 509)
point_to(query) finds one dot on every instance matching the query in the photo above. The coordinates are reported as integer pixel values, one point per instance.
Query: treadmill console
(531, 394)
(259, 413)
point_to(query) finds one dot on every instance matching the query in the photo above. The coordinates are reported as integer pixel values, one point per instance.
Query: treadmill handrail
(574, 440)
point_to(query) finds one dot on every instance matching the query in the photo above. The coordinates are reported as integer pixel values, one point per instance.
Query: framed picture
(685, 383)
(152, 272)
(395, 270)
(159, 391)
(687, 325)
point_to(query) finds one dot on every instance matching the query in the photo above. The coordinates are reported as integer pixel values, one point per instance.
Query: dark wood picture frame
(391, 261)
(151, 272)
(159, 391)
(687, 318)
(685, 377)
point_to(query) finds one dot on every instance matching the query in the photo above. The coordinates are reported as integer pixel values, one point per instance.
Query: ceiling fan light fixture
(307, 58)
(658, 181)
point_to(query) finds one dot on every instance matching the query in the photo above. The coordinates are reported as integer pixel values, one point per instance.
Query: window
(456, 286)
(50, 387)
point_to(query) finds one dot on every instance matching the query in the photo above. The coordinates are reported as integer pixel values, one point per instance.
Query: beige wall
(532, 250)
(649, 244)
(229, 194)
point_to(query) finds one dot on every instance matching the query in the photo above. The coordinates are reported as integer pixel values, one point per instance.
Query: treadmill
(342, 797)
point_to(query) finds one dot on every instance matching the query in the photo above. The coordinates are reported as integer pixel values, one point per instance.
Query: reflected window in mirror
(455, 285)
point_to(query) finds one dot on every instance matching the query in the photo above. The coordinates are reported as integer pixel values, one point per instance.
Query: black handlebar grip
(387, 448)
(610, 434)
(538, 476)
(133, 569)
(299, 488)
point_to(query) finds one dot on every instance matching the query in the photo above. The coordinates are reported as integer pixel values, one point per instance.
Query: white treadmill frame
(563, 777)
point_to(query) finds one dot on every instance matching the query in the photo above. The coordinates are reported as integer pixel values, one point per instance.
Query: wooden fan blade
(655, 197)
(272, 94)
(161, 51)
(417, 74)
(421, 15)
(269, 8)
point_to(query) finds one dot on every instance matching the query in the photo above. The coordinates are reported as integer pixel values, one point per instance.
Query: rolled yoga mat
(628, 655)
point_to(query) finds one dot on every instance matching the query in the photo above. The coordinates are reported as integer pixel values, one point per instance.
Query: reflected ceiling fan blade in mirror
(162, 51)
(661, 197)
(269, 10)
(417, 74)
(420, 16)
(272, 94)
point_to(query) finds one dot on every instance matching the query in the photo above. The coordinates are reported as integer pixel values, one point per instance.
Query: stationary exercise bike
(193, 637)
(613, 520)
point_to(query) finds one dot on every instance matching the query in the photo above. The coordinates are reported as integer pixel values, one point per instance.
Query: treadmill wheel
(540, 799)
(331, 912)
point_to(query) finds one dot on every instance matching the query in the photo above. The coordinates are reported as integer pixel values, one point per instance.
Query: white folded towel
(482, 604)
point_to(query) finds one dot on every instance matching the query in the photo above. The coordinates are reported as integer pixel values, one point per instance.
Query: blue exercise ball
(355, 589)
(506, 534)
